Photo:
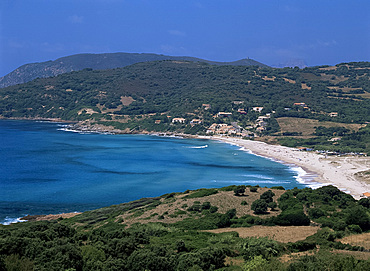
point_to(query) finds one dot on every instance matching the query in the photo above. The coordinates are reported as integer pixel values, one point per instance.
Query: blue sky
(319, 32)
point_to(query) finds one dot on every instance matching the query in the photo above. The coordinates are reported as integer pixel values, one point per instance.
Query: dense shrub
(253, 189)
(291, 218)
(239, 190)
(301, 246)
(253, 246)
(316, 213)
(358, 216)
(202, 193)
(259, 206)
(365, 202)
(267, 196)
(328, 261)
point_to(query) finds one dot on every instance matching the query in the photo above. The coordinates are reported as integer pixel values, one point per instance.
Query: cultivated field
(307, 126)
(277, 233)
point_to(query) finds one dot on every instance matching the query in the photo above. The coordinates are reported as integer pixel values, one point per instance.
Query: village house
(299, 104)
(262, 123)
(222, 128)
(366, 194)
(212, 129)
(257, 108)
(178, 120)
(262, 118)
(195, 121)
(333, 114)
(242, 111)
(157, 121)
(206, 106)
(238, 102)
(224, 114)
(246, 134)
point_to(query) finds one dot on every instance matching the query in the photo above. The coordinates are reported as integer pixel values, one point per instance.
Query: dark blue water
(44, 169)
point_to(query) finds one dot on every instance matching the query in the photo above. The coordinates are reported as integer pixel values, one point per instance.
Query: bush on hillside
(291, 218)
(239, 190)
(254, 246)
(259, 206)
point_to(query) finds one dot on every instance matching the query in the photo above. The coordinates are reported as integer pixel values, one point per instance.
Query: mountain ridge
(30, 71)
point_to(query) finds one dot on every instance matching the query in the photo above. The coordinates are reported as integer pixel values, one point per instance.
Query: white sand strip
(335, 170)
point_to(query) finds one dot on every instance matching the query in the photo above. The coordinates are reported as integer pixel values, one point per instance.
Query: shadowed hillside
(28, 72)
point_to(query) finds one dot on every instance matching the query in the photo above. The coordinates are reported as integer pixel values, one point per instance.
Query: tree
(272, 205)
(365, 202)
(239, 190)
(259, 206)
(268, 196)
(358, 216)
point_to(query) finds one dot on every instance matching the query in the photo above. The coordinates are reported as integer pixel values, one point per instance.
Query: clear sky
(319, 32)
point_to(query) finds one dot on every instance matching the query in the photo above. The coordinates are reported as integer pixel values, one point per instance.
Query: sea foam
(10, 220)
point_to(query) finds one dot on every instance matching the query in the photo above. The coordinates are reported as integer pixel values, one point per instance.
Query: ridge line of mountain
(30, 71)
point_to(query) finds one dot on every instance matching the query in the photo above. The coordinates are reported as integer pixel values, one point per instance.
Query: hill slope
(78, 62)
(152, 96)
(206, 229)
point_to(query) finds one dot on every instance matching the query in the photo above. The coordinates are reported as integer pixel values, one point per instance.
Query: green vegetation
(202, 193)
(345, 141)
(97, 241)
(79, 62)
(239, 190)
(148, 96)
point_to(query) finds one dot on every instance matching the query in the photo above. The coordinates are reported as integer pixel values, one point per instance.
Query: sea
(47, 168)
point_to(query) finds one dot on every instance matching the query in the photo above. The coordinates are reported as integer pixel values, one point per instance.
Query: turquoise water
(45, 169)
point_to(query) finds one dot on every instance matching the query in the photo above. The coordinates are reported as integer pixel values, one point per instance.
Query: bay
(45, 169)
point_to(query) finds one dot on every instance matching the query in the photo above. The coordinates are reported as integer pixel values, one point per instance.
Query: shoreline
(329, 170)
(321, 169)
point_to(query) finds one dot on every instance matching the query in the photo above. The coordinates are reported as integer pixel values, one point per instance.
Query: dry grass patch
(307, 126)
(333, 78)
(289, 80)
(365, 95)
(227, 200)
(359, 255)
(126, 101)
(266, 78)
(296, 255)
(362, 240)
(282, 234)
(344, 89)
(304, 86)
(234, 261)
(328, 68)
(175, 209)
(49, 217)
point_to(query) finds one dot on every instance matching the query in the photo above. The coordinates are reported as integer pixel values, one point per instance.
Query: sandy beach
(335, 170)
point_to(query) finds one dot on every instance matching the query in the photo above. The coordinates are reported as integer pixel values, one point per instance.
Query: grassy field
(284, 234)
(307, 126)
(357, 240)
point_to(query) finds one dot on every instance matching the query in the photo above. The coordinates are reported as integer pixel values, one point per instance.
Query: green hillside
(230, 228)
(148, 96)
(79, 62)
